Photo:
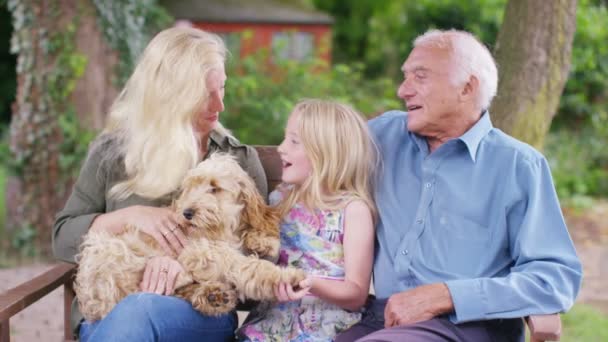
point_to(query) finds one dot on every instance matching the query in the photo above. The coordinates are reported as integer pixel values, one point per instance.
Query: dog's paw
(219, 297)
(214, 299)
(293, 276)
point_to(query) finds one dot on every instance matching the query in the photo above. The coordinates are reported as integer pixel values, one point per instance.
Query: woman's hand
(286, 293)
(160, 275)
(163, 225)
(160, 223)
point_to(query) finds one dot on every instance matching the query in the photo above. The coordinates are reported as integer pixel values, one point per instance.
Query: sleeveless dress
(311, 241)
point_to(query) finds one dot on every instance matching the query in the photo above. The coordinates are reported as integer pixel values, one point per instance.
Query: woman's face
(210, 113)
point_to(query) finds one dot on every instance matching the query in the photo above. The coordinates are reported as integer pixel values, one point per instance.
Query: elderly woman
(162, 124)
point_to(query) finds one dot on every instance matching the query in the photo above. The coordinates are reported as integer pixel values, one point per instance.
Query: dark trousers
(371, 328)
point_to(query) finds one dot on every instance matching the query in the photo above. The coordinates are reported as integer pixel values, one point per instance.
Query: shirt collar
(420, 142)
(217, 138)
(472, 138)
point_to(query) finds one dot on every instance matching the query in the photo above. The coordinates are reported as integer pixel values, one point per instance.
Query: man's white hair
(471, 58)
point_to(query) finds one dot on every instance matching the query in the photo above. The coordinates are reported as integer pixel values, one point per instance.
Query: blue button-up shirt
(479, 214)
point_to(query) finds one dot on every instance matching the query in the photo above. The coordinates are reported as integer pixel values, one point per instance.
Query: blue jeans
(151, 317)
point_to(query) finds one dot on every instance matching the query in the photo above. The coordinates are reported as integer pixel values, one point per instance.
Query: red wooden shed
(287, 28)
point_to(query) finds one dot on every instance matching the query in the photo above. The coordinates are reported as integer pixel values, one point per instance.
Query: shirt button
(405, 252)
(419, 221)
(428, 185)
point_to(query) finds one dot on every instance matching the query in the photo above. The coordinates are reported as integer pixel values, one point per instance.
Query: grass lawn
(584, 323)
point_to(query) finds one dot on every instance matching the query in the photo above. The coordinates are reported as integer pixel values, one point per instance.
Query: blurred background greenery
(371, 40)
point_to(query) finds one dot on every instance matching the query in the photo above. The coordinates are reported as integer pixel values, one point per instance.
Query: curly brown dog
(229, 227)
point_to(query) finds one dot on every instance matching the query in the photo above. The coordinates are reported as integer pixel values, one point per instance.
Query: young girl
(327, 227)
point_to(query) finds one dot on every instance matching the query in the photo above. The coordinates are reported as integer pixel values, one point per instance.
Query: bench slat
(272, 165)
(22, 296)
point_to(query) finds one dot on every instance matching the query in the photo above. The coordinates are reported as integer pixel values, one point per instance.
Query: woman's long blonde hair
(151, 121)
(342, 154)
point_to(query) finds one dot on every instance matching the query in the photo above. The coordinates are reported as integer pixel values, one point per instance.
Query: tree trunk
(533, 55)
(96, 89)
(50, 84)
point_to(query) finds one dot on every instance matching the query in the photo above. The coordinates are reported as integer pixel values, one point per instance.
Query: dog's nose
(188, 214)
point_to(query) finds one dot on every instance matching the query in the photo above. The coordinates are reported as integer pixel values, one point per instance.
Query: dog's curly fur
(230, 228)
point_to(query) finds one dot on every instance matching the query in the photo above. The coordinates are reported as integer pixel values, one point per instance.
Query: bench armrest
(544, 327)
(20, 297)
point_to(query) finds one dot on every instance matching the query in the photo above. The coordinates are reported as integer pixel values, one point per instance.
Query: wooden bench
(542, 327)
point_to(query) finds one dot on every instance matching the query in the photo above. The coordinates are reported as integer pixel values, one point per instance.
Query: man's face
(429, 94)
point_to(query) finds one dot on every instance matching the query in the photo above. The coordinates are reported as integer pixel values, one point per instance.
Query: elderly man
(471, 236)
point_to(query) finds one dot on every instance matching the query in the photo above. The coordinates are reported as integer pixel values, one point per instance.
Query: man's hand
(420, 304)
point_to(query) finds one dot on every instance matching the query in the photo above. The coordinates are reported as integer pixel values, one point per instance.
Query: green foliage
(584, 323)
(579, 163)
(74, 145)
(402, 21)
(23, 241)
(127, 26)
(70, 64)
(351, 26)
(579, 148)
(586, 94)
(381, 32)
(260, 96)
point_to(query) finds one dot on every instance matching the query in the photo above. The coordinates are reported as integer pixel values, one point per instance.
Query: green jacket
(89, 197)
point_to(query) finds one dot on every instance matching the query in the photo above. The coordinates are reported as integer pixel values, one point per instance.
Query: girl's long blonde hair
(342, 154)
(151, 121)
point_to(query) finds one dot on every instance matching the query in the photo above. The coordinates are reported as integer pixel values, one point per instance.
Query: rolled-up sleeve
(85, 203)
(546, 273)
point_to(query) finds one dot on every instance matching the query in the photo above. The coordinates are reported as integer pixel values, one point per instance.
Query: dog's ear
(257, 215)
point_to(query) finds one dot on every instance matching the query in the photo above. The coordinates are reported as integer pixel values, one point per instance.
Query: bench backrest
(272, 164)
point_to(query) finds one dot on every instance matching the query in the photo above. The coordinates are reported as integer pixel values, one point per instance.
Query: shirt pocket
(461, 227)
(462, 245)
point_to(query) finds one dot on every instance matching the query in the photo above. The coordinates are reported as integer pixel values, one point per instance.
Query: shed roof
(245, 11)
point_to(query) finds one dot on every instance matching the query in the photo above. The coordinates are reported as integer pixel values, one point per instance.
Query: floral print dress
(311, 241)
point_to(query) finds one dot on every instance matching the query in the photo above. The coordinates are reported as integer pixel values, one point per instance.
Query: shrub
(260, 94)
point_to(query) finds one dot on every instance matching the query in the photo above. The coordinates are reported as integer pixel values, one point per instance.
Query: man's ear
(470, 91)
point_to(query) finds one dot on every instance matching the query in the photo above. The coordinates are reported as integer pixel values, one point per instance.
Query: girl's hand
(160, 223)
(286, 293)
(160, 275)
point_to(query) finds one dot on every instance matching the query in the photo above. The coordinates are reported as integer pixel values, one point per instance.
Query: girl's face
(210, 113)
(296, 165)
